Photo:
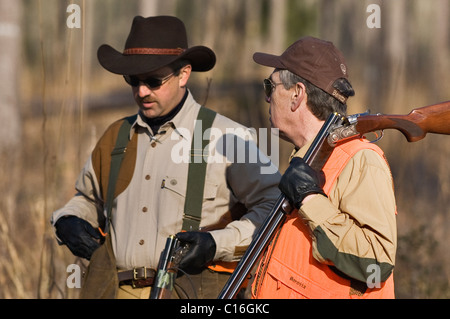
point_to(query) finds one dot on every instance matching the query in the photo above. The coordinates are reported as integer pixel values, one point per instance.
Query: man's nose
(143, 90)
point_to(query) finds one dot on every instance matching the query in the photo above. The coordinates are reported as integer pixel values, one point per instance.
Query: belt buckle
(136, 281)
(141, 281)
(136, 273)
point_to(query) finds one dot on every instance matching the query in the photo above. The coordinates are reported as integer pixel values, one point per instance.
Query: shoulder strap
(117, 154)
(197, 170)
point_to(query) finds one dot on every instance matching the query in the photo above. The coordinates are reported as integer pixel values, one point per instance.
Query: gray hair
(320, 103)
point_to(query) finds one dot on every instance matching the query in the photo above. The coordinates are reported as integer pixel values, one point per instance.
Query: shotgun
(338, 129)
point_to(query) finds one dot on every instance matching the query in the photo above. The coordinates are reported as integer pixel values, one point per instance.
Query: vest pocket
(290, 284)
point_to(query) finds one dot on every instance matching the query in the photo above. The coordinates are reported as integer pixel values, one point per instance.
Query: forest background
(55, 102)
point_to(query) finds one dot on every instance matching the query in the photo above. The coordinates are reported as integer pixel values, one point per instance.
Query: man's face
(279, 101)
(160, 100)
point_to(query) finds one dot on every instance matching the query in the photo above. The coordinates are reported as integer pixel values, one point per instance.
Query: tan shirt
(151, 207)
(359, 215)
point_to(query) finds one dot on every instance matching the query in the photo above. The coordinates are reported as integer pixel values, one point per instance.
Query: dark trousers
(206, 285)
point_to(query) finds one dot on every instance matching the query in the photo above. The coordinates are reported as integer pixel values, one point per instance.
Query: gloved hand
(80, 237)
(201, 252)
(299, 181)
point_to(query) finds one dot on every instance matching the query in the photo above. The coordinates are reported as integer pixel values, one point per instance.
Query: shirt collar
(300, 152)
(177, 121)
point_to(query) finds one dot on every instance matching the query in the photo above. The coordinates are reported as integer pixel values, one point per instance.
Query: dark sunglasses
(269, 86)
(150, 82)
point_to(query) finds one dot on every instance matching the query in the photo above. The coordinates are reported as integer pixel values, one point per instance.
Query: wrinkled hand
(201, 252)
(80, 237)
(299, 181)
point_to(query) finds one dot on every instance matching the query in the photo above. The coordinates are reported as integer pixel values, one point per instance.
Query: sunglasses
(269, 86)
(151, 83)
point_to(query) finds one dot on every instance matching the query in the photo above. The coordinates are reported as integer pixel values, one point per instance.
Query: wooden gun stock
(414, 126)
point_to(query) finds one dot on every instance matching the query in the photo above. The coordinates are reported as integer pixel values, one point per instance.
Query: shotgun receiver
(168, 268)
(338, 129)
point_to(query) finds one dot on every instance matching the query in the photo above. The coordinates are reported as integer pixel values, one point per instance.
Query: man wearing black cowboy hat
(153, 193)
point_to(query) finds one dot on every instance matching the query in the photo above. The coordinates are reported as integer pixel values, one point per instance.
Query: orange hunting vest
(289, 270)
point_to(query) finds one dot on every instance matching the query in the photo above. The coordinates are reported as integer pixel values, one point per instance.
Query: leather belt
(139, 277)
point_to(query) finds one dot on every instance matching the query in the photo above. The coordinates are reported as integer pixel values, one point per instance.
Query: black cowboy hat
(153, 43)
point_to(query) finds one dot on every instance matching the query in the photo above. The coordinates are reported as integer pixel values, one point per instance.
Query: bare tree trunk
(395, 45)
(148, 8)
(277, 32)
(441, 48)
(10, 145)
(10, 40)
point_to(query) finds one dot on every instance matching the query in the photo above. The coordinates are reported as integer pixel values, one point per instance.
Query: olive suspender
(117, 154)
(196, 171)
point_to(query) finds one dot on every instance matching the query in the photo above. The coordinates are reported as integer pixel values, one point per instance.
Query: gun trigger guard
(378, 137)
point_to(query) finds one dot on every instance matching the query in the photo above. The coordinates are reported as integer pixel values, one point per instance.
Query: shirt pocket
(176, 196)
(174, 184)
(178, 185)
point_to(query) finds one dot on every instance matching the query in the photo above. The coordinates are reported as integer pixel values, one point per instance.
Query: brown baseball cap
(315, 60)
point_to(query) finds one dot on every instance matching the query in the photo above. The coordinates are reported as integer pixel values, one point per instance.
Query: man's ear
(298, 95)
(185, 73)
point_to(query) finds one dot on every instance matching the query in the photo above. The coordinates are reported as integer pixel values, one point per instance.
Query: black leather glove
(299, 181)
(201, 251)
(80, 237)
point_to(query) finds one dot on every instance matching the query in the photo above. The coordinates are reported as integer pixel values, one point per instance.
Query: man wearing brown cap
(340, 242)
(138, 188)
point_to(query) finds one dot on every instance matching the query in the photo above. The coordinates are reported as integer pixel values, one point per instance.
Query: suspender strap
(116, 160)
(197, 170)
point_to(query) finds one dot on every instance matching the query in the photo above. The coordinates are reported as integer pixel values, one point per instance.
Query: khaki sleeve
(85, 203)
(355, 228)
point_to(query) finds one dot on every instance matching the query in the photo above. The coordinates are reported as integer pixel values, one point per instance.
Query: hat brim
(201, 58)
(269, 60)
